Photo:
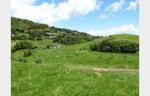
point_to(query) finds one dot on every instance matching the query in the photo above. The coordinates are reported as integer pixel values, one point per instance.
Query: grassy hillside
(129, 37)
(23, 24)
(61, 72)
(22, 29)
(133, 38)
(74, 70)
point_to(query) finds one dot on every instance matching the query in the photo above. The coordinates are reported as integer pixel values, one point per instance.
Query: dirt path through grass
(114, 70)
(97, 69)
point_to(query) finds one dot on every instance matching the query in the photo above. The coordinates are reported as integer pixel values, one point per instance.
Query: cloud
(113, 8)
(116, 6)
(106, 15)
(133, 5)
(119, 6)
(123, 29)
(52, 13)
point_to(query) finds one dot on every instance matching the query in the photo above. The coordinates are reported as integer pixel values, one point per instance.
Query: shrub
(20, 37)
(27, 53)
(13, 50)
(34, 47)
(36, 35)
(22, 45)
(114, 45)
(39, 60)
(68, 40)
(23, 60)
(72, 38)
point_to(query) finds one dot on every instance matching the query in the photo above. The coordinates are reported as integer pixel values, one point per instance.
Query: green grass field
(60, 71)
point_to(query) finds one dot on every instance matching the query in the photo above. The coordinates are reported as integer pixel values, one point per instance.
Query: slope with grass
(60, 72)
(133, 38)
(74, 70)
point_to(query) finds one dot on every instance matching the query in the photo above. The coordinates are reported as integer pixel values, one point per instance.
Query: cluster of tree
(110, 44)
(23, 29)
(36, 35)
(20, 36)
(23, 45)
(22, 25)
(73, 38)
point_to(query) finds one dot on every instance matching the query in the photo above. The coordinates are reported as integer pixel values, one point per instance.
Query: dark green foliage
(68, 40)
(27, 53)
(39, 60)
(110, 44)
(22, 45)
(18, 24)
(34, 47)
(23, 29)
(36, 35)
(71, 38)
(13, 49)
(21, 59)
(20, 37)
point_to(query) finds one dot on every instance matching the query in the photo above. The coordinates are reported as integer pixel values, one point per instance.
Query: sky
(95, 17)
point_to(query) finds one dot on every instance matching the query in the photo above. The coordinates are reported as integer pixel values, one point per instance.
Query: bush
(34, 47)
(39, 60)
(27, 53)
(36, 35)
(20, 37)
(114, 45)
(72, 38)
(68, 40)
(22, 60)
(22, 45)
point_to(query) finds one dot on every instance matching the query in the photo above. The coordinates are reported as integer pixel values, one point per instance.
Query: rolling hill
(56, 68)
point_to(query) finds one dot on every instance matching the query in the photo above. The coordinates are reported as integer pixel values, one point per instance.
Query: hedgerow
(114, 45)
